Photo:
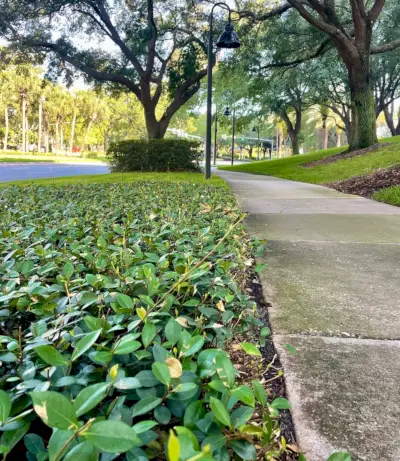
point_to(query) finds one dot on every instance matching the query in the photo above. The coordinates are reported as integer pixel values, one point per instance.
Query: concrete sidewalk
(334, 284)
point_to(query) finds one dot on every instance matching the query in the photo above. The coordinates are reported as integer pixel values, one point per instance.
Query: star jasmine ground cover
(116, 303)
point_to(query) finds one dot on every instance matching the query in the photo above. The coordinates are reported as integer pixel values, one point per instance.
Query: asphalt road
(16, 171)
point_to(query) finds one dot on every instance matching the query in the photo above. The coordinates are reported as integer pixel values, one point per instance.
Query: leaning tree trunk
(363, 117)
(6, 123)
(26, 134)
(86, 136)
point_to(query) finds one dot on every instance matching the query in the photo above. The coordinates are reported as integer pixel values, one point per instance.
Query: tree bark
(23, 123)
(86, 135)
(338, 138)
(325, 132)
(57, 134)
(6, 122)
(71, 140)
(61, 137)
(363, 118)
(293, 129)
(40, 125)
(389, 117)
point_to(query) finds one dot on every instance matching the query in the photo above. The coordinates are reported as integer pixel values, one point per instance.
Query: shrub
(155, 155)
(114, 302)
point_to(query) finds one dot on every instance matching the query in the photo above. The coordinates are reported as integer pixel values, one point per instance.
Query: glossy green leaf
(54, 409)
(161, 372)
(90, 397)
(85, 344)
(50, 355)
(85, 451)
(145, 406)
(220, 412)
(148, 333)
(244, 394)
(5, 406)
(112, 436)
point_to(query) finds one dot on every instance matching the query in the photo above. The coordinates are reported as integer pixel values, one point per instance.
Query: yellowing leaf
(175, 367)
(141, 312)
(220, 306)
(182, 321)
(114, 372)
(174, 448)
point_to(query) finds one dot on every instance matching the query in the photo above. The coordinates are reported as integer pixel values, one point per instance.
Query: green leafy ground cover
(291, 167)
(115, 301)
(390, 195)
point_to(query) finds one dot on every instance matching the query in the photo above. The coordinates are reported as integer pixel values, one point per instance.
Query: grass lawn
(291, 167)
(390, 195)
(18, 158)
(122, 177)
(12, 159)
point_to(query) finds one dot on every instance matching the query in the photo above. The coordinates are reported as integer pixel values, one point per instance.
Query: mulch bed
(267, 371)
(367, 185)
(345, 155)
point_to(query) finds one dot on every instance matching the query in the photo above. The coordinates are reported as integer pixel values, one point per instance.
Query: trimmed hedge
(155, 155)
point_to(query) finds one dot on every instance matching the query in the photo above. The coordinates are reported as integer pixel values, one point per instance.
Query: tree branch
(93, 73)
(385, 47)
(376, 10)
(322, 49)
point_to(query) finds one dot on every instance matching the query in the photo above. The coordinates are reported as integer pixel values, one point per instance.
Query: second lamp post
(227, 112)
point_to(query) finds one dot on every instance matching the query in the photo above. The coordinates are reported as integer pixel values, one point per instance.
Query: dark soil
(275, 388)
(367, 185)
(345, 155)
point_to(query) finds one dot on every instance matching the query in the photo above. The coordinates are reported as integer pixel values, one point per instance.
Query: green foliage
(155, 155)
(292, 167)
(116, 289)
(389, 195)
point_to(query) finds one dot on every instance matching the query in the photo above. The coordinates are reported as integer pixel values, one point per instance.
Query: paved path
(334, 285)
(16, 171)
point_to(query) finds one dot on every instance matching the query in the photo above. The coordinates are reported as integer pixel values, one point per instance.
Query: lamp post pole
(215, 137)
(227, 40)
(233, 135)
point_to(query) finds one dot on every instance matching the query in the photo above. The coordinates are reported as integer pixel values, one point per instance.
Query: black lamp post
(227, 112)
(256, 129)
(228, 39)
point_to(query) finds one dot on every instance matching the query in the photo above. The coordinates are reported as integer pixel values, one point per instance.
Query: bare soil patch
(345, 155)
(367, 185)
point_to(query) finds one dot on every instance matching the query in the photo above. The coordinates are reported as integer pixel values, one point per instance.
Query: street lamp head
(227, 111)
(254, 129)
(229, 38)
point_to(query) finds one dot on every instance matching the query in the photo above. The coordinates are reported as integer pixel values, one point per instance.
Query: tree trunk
(325, 132)
(61, 138)
(155, 129)
(363, 120)
(23, 123)
(26, 134)
(86, 136)
(6, 122)
(389, 117)
(57, 135)
(338, 138)
(71, 140)
(40, 125)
